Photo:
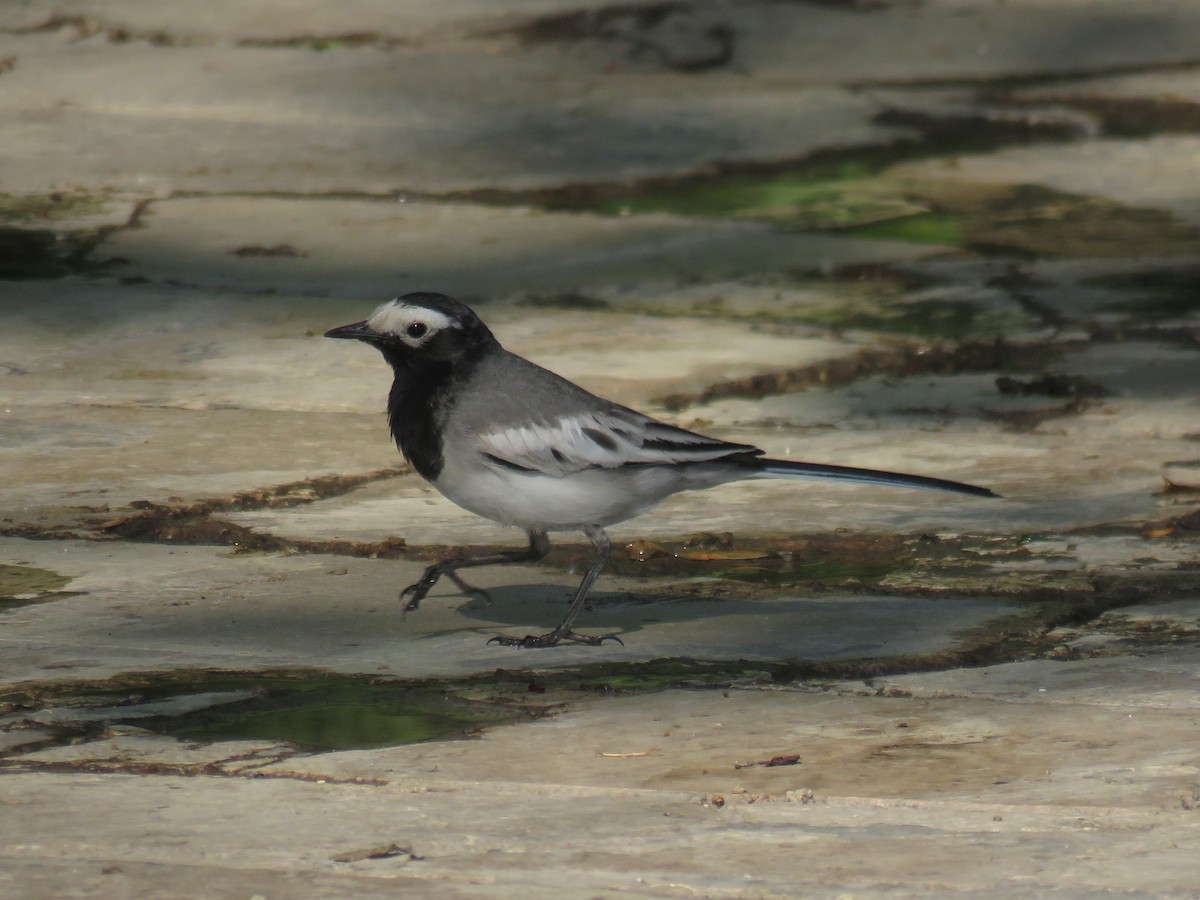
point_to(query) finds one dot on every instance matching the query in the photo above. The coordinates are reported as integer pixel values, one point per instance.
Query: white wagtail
(515, 443)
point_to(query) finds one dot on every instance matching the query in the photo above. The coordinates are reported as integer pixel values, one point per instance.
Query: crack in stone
(997, 86)
(86, 26)
(194, 523)
(182, 770)
(1131, 116)
(898, 361)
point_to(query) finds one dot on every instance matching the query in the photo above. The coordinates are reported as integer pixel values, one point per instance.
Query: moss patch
(334, 715)
(21, 585)
(31, 209)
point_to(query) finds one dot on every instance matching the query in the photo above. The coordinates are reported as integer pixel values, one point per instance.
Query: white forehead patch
(395, 318)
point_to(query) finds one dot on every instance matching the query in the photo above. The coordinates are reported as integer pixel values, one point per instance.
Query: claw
(425, 585)
(417, 596)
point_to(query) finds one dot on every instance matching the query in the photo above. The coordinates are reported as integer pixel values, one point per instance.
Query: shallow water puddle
(316, 713)
(338, 716)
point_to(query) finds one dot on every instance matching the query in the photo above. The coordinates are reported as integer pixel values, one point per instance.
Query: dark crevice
(324, 42)
(85, 26)
(584, 24)
(895, 361)
(45, 252)
(998, 87)
(1017, 282)
(1135, 117)
(194, 522)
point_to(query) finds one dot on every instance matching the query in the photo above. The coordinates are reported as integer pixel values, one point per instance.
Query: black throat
(421, 399)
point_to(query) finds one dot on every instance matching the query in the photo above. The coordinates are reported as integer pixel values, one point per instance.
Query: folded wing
(602, 439)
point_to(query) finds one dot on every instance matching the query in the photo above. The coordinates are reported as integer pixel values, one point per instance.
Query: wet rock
(1146, 174)
(15, 735)
(134, 751)
(174, 706)
(198, 607)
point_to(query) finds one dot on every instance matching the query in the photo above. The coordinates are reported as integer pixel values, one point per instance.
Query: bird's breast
(554, 503)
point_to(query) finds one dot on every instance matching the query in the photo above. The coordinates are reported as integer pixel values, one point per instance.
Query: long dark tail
(783, 468)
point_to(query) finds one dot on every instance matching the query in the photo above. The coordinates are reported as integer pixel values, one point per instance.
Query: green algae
(311, 711)
(22, 585)
(332, 716)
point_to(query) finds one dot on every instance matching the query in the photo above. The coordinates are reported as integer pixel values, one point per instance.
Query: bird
(510, 441)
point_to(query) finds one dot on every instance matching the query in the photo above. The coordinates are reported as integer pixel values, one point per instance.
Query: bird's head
(421, 328)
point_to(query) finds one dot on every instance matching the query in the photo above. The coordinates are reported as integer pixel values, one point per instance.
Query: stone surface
(951, 237)
(144, 608)
(462, 820)
(371, 249)
(1154, 172)
(149, 120)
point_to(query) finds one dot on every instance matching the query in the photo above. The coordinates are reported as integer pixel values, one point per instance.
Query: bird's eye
(416, 330)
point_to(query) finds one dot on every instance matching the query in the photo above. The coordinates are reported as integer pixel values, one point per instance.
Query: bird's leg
(539, 546)
(563, 632)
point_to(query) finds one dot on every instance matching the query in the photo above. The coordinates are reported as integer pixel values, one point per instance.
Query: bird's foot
(416, 592)
(534, 641)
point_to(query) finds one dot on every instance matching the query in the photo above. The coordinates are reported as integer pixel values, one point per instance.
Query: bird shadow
(537, 608)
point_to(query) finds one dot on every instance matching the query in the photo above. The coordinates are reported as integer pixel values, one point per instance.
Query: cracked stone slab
(852, 42)
(884, 746)
(146, 607)
(788, 302)
(14, 738)
(1155, 172)
(1180, 615)
(1145, 680)
(1071, 296)
(884, 741)
(96, 346)
(174, 706)
(1165, 88)
(131, 749)
(69, 211)
(226, 21)
(156, 119)
(485, 824)
(143, 98)
(377, 249)
(1152, 628)
(963, 40)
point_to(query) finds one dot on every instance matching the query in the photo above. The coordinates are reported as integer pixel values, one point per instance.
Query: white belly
(545, 503)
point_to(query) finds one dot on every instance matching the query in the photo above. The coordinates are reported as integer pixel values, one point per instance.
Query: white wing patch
(604, 439)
